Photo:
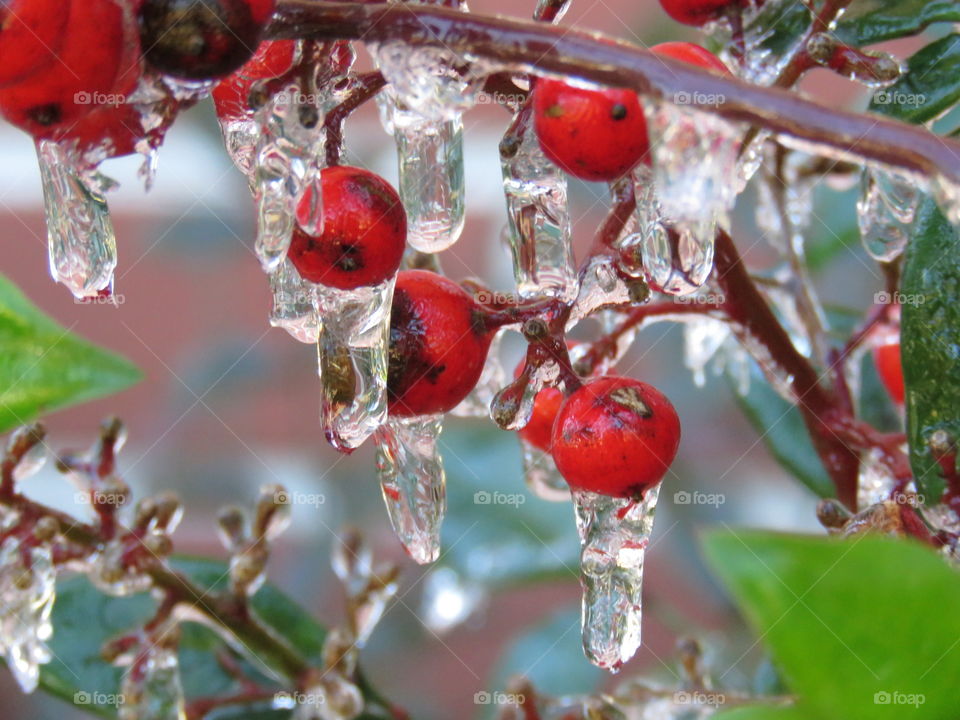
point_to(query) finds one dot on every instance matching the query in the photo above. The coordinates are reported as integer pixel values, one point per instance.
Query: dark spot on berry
(46, 115)
(405, 362)
(350, 257)
(618, 111)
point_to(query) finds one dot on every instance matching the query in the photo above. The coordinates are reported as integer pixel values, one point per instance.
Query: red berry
(201, 39)
(96, 65)
(273, 59)
(438, 344)
(696, 12)
(592, 134)
(615, 436)
(364, 232)
(693, 54)
(889, 366)
(31, 32)
(545, 408)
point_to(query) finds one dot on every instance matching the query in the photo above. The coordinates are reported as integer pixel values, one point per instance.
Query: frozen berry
(364, 232)
(889, 366)
(97, 64)
(615, 436)
(272, 60)
(591, 134)
(696, 12)
(31, 32)
(201, 39)
(693, 54)
(438, 344)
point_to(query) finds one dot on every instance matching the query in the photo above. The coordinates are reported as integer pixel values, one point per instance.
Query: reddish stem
(368, 85)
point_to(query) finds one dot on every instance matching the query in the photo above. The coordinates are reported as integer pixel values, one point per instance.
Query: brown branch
(368, 85)
(527, 45)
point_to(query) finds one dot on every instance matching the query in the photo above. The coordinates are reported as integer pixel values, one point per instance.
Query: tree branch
(527, 45)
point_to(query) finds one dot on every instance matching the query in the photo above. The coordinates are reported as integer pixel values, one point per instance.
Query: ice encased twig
(352, 352)
(538, 223)
(152, 688)
(413, 482)
(614, 535)
(26, 601)
(81, 242)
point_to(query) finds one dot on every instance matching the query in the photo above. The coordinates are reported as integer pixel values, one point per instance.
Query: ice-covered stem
(545, 48)
(801, 61)
(624, 202)
(748, 309)
(368, 85)
(20, 443)
(605, 346)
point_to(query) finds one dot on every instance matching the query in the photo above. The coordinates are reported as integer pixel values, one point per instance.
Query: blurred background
(229, 404)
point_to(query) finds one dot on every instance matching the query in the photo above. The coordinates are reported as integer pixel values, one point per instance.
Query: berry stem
(368, 85)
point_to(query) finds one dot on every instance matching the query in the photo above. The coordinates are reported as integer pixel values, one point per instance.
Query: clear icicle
(539, 228)
(294, 304)
(26, 602)
(82, 245)
(413, 482)
(352, 361)
(600, 287)
(541, 474)
(112, 576)
(614, 534)
(885, 212)
(767, 52)
(431, 178)
(703, 339)
(493, 377)
(240, 138)
(691, 189)
(152, 689)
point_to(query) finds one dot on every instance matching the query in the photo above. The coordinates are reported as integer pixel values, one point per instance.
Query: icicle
(152, 689)
(539, 229)
(294, 304)
(512, 407)
(413, 482)
(541, 474)
(614, 534)
(241, 137)
(885, 212)
(691, 189)
(766, 55)
(26, 600)
(82, 245)
(431, 186)
(352, 361)
(493, 377)
(429, 90)
(703, 339)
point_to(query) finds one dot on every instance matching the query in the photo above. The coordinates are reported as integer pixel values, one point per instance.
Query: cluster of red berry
(70, 67)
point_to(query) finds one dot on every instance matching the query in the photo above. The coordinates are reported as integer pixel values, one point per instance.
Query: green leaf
(930, 86)
(84, 619)
(44, 367)
(862, 629)
(781, 426)
(930, 341)
(872, 21)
